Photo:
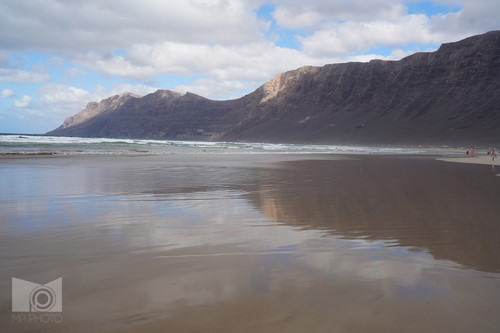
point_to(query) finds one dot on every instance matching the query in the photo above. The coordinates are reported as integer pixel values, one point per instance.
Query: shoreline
(429, 151)
(484, 160)
(34, 146)
(443, 155)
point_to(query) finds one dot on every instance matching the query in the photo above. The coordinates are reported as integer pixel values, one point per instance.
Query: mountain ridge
(449, 96)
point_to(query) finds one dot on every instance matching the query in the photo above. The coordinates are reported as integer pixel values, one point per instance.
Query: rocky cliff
(451, 96)
(93, 109)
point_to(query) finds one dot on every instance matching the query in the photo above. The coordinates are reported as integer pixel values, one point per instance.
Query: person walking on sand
(493, 154)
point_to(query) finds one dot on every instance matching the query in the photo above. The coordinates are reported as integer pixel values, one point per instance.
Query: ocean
(19, 144)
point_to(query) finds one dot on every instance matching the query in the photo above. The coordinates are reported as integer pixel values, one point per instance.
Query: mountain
(93, 109)
(450, 96)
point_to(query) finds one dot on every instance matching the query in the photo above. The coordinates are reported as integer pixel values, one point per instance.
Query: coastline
(484, 160)
(17, 146)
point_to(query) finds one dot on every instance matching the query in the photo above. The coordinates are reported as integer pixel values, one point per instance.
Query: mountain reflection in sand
(444, 209)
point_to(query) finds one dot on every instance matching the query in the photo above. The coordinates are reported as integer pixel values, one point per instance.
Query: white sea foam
(76, 145)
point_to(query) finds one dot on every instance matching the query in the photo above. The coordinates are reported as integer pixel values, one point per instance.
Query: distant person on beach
(493, 154)
(467, 152)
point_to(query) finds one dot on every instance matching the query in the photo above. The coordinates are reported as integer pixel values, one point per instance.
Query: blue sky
(56, 56)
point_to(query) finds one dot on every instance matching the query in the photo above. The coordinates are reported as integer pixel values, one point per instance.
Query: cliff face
(449, 96)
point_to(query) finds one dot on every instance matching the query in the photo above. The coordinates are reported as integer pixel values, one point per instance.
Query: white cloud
(256, 61)
(298, 14)
(340, 28)
(103, 27)
(23, 102)
(349, 37)
(21, 76)
(300, 19)
(7, 93)
(107, 25)
(476, 17)
(61, 94)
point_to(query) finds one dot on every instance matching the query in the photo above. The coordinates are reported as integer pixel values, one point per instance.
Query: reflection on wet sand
(254, 244)
(446, 209)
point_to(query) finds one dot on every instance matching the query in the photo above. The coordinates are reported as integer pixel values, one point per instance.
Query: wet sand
(254, 243)
(473, 160)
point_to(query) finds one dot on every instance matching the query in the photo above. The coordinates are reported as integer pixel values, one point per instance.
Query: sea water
(18, 144)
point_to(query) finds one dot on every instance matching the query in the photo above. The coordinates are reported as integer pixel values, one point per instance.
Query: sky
(58, 55)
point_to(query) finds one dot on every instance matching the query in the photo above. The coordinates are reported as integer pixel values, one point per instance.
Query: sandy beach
(254, 243)
(473, 160)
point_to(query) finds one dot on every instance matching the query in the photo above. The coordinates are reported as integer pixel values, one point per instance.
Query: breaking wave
(54, 145)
